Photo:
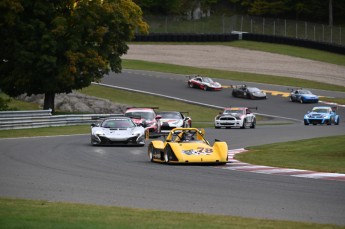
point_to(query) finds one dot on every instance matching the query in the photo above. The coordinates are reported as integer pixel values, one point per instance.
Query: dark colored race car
(173, 119)
(204, 83)
(303, 96)
(146, 117)
(242, 91)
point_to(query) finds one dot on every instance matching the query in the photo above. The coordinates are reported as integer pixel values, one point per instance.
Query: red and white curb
(245, 167)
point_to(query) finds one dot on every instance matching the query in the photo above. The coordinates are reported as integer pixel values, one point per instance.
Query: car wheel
(205, 88)
(253, 124)
(167, 154)
(290, 99)
(337, 122)
(150, 152)
(301, 100)
(217, 127)
(244, 124)
(306, 123)
(191, 85)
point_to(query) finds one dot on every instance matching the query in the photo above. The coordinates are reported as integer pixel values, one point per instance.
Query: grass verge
(325, 154)
(43, 214)
(229, 75)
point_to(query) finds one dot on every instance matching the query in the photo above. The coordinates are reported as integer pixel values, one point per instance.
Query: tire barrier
(184, 37)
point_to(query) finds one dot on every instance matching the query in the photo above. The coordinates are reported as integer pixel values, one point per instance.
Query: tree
(56, 46)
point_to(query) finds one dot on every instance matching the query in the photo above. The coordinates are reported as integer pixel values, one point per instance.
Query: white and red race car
(174, 119)
(146, 117)
(204, 83)
(241, 117)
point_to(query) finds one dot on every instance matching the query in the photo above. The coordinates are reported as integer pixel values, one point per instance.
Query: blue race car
(303, 96)
(322, 115)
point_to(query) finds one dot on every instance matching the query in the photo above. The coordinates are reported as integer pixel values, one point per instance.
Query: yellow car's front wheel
(167, 154)
(150, 152)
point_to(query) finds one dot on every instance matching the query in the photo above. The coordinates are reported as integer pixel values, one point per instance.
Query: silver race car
(118, 130)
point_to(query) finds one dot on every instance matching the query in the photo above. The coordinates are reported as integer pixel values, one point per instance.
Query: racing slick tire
(233, 94)
(253, 124)
(290, 99)
(301, 100)
(205, 88)
(337, 122)
(150, 152)
(244, 124)
(217, 127)
(167, 154)
(191, 85)
(306, 123)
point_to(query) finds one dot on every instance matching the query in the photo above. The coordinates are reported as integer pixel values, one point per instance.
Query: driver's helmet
(187, 136)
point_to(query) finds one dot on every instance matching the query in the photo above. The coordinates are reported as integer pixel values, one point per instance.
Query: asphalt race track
(68, 168)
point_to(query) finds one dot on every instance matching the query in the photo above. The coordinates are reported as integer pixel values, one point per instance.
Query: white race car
(241, 117)
(119, 130)
(174, 119)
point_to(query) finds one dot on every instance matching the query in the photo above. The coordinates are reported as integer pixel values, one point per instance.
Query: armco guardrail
(44, 118)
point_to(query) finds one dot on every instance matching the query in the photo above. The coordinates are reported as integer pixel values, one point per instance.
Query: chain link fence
(258, 25)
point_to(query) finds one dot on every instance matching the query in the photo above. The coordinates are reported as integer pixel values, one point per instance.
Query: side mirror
(158, 117)
(94, 125)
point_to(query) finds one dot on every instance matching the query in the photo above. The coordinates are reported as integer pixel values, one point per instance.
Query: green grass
(43, 214)
(198, 113)
(229, 75)
(289, 50)
(18, 104)
(314, 154)
(334, 100)
(325, 154)
(45, 131)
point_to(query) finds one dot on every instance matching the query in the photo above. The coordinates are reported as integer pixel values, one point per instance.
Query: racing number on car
(204, 150)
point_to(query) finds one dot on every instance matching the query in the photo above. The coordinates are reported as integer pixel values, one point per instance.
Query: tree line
(56, 46)
(320, 11)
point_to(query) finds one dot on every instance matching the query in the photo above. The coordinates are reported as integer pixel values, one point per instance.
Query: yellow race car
(188, 145)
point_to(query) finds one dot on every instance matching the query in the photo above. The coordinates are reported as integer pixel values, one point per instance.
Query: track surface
(67, 168)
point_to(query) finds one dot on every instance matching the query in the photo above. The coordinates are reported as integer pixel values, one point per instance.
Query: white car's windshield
(141, 114)
(170, 115)
(207, 80)
(118, 123)
(233, 112)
